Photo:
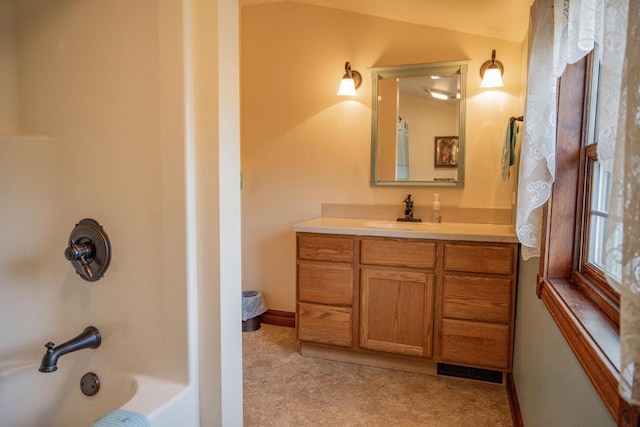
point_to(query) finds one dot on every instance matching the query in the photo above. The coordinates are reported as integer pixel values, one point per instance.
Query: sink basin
(399, 225)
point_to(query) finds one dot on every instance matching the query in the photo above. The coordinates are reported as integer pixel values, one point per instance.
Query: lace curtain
(569, 29)
(537, 158)
(624, 144)
(575, 28)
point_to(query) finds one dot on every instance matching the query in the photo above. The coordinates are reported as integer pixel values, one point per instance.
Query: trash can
(252, 309)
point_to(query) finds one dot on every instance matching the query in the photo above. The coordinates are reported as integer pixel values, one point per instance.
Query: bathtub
(29, 398)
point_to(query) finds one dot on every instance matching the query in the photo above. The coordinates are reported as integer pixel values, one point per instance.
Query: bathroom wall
(101, 86)
(553, 389)
(8, 110)
(303, 146)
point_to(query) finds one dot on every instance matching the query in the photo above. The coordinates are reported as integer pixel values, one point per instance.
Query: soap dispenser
(436, 209)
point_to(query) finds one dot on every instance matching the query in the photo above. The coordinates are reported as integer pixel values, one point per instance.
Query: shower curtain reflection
(402, 150)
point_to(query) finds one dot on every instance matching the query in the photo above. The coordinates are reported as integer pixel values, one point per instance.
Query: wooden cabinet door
(396, 311)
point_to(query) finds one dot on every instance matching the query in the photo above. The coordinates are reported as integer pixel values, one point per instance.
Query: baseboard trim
(279, 318)
(514, 404)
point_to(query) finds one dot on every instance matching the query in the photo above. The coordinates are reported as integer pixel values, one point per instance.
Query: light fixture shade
(491, 73)
(350, 81)
(347, 86)
(492, 78)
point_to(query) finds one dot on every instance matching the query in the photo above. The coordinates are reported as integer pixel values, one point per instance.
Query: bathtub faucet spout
(89, 338)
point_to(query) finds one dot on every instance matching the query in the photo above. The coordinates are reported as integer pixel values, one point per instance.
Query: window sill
(594, 339)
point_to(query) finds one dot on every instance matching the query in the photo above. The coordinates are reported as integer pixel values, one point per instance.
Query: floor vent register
(470, 373)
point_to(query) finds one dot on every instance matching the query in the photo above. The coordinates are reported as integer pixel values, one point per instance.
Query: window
(600, 186)
(595, 263)
(573, 265)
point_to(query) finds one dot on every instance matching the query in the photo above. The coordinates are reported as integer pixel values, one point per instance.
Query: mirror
(417, 125)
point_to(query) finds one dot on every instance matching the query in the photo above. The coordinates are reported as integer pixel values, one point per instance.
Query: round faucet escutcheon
(89, 250)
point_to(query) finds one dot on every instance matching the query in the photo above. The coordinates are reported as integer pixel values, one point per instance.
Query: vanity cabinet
(434, 301)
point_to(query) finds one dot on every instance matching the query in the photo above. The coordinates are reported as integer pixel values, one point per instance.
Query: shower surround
(98, 122)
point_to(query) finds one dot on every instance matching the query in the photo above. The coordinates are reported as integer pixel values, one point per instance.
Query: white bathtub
(29, 398)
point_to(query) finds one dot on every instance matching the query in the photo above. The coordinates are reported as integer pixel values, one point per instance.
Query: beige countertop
(415, 230)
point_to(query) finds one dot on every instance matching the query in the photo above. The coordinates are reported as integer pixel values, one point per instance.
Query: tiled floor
(282, 388)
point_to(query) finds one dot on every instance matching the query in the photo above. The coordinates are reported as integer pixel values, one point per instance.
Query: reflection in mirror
(417, 131)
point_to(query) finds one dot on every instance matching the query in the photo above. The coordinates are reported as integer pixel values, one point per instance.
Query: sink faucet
(408, 211)
(89, 338)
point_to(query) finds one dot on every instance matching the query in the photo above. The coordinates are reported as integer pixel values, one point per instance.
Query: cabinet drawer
(324, 324)
(399, 253)
(325, 248)
(325, 282)
(486, 299)
(479, 258)
(475, 344)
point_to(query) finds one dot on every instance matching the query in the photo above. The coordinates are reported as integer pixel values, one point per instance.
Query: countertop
(420, 230)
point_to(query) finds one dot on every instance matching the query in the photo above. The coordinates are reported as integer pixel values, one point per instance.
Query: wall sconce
(491, 72)
(350, 81)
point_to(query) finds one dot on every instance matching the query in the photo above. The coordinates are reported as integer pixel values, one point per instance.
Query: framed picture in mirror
(446, 152)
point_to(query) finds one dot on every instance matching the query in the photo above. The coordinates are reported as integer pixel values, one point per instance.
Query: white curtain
(576, 27)
(612, 51)
(537, 158)
(625, 203)
(576, 24)
(567, 29)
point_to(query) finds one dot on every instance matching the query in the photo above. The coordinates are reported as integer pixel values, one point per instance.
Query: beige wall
(303, 146)
(8, 81)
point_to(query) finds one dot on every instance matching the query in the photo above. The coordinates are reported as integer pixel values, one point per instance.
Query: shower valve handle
(80, 252)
